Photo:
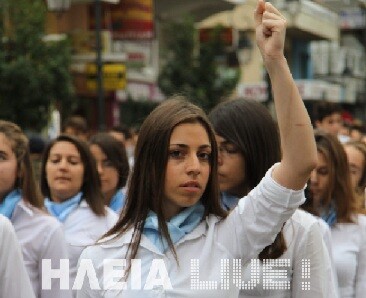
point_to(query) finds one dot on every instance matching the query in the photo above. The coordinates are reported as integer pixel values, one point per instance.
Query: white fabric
(304, 240)
(14, 280)
(251, 226)
(349, 252)
(82, 228)
(41, 237)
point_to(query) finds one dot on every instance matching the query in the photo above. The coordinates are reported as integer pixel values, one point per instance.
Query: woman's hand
(270, 31)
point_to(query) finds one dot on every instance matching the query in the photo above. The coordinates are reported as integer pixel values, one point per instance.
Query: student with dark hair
(120, 132)
(328, 117)
(71, 185)
(249, 144)
(76, 126)
(39, 234)
(112, 164)
(331, 195)
(14, 280)
(173, 216)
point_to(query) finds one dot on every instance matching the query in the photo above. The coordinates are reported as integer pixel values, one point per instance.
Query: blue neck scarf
(228, 202)
(329, 216)
(117, 201)
(178, 226)
(7, 206)
(62, 210)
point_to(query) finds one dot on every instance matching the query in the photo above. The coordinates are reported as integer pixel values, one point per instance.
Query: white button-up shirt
(41, 237)
(304, 241)
(251, 226)
(83, 228)
(14, 280)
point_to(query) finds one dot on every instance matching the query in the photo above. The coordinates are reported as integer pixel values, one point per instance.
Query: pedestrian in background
(331, 195)
(39, 234)
(76, 126)
(249, 144)
(113, 168)
(70, 183)
(356, 155)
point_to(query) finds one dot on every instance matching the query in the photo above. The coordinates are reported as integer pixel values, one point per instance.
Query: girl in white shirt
(70, 183)
(14, 280)
(40, 235)
(112, 164)
(249, 144)
(331, 196)
(173, 237)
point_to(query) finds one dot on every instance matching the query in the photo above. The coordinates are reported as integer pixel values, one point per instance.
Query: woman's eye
(73, 161)
(204, 155)
(323, 172)
(175, 154)
(107, 164)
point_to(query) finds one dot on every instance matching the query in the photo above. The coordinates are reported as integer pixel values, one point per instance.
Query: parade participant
(249, 144)
(12, 267)
(356, 155)
(76, 126)
(330, 194)
(39, 234)
(112, 164)
(70, 183)
(173, 218)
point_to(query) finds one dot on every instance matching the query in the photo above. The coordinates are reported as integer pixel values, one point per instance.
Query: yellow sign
(114, 76)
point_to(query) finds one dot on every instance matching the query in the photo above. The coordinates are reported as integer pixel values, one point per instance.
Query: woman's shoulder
(302, 219)
(5, 228)
(361, 220)
(34, 217)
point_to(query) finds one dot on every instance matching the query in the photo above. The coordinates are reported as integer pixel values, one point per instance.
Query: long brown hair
(91, 186)
(340, 191)
(360, 187)
(20, 146)
(249, 125)
(146, 186)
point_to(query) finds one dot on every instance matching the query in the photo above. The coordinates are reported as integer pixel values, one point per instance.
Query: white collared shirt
(349, 252)
(251, 226)
(14, 280)
(41, 237)
(304, 241)
(83, 228)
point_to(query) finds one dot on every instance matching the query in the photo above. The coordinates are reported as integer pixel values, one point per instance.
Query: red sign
(130, 19)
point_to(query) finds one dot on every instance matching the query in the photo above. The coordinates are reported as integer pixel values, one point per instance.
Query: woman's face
(108, 174)
(231, 169)
(64, 171)
(320, 180)
(8, 167)
(356, 162)
(188, 167)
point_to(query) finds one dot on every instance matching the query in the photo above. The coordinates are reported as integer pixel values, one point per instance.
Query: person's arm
(297, 138)
(14, 279)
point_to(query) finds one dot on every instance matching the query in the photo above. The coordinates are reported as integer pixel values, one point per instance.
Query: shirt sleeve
(257, 219)
(361, 261)
(313, 275)
(55, 249)
(14, 280)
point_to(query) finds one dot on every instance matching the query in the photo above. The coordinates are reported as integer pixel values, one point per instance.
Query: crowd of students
(233, 185)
